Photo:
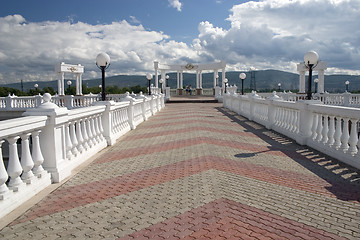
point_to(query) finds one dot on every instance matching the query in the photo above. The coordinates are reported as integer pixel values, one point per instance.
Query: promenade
(199, 171)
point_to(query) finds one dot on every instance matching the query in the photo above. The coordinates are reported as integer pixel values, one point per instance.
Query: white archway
(63, 68)
(320, 68)
(198, 68)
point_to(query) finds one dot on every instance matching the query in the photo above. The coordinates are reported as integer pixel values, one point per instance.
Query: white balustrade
(61, 139)
(332, 130)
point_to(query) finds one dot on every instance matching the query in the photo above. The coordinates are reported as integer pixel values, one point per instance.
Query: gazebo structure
(198, 68)
(63, 68)
(320, 68)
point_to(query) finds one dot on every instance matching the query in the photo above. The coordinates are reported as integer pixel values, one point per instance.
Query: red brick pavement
(219, 219)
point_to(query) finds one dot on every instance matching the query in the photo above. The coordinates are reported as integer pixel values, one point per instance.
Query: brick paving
(199, 171)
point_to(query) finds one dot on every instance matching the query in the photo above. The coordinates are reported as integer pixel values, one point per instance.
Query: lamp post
(161, 81)
(311, 58)
(242, 77)
(279, 85)
(36, 86)
(316, 81)
(225, 83)
(103, 62)
(167, 80)
(347, 86)
(149, 78)
(68, 83)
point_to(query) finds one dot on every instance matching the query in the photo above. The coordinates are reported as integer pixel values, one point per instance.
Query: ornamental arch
(63, 68)
(197, 68)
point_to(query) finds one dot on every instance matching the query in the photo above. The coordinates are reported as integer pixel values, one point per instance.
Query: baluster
(3, 175)
(26, 160)
(37, 156)
(319, 128)
(331, 131)
(314, 126)
(14, 168)
(338, 133)
(79, 136)
(101, 127)
(68, 141)
(345, 135)
(353, 137)
(90, 135)
(84, 134)
(97, 130)
(74, 141)
(92, 126)
(116, 121)
(325, 130)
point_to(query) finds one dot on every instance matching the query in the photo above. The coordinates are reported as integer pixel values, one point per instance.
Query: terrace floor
(199, 171)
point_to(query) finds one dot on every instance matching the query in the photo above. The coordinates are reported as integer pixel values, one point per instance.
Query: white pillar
(222, 78)
(78, 83)
(156, 67)
(61, 84)
(181, 79)
(215, 76)
(178, 79)
(200, 79)
(321, 81)
(302, 82)
(163, 74)
(197, 79)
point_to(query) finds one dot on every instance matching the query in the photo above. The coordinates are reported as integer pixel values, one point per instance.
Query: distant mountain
(265, 79)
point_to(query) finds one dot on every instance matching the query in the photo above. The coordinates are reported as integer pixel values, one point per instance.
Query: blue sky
(270, 34)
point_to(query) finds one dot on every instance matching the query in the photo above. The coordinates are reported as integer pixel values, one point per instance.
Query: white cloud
(176, 4)
(29, 50)
(270, 33)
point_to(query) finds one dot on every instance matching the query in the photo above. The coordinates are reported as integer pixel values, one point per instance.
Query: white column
(163, 73)
(156, 64)
(61, 84)
(302, 82)
(222, 78)
(197, 79)
(178, 79)
(181, 79)
(200, 79)
(78, 84)
(215, 75)
(321, 81)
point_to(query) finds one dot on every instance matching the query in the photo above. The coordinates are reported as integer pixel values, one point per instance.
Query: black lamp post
(103, 62)
(242, 77)
(149, 78)
(69, 84)
(167, 80)
(347, 86)
(311, 59)
(161, 81)
(279, 85)
(225, 83)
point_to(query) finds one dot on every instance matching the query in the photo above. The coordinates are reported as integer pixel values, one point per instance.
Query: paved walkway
(198, 171)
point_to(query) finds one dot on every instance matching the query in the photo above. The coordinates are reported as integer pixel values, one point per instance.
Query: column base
(179, 91)
(199, 91)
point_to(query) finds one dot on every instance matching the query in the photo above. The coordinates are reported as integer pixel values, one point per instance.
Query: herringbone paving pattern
(199, 171)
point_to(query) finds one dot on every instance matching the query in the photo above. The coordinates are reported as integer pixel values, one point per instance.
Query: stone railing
(45, 145)
(332, 130)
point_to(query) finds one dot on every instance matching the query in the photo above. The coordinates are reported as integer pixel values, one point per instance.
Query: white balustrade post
(79, 137)
(73, 139)
(4, 190)
(69, 101)
(331, 131)
(14, 168)
(345, 135)
(27, 163)
(85, 134)
(305, 121)
(68, 141)
(37, 156)
(347, 97)
(353, 137)
(93, 131)
(338, 133)
(325, 130)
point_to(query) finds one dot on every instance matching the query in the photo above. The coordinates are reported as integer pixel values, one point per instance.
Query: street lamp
(347, 86)
(225, 83)
(279, 85)
(161, 81)
(68, 83)
(242, 76)
(103, 62)
(167, 79)
(36, 86)
(311, 58)
(316, 81)
(149, 78)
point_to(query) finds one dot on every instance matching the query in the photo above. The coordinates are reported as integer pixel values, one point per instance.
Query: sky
(269, 34)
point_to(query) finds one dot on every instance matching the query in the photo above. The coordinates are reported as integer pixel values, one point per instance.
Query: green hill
(265, 80)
